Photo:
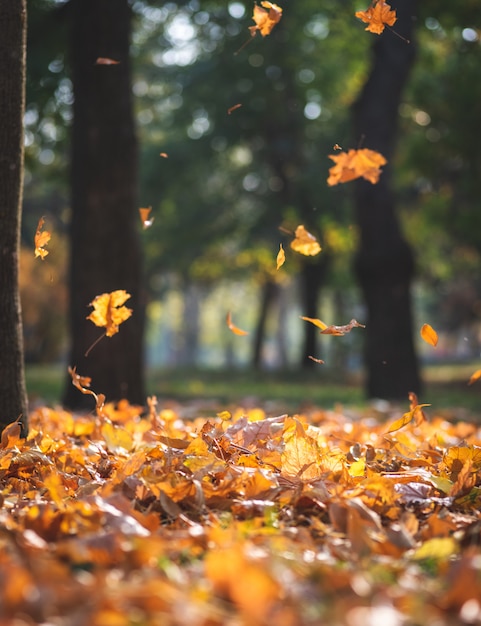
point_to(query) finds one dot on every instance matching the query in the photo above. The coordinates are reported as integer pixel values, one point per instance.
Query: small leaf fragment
(233, 328)
(313, 358)
(145, 218)
(342, 330)
(474, 377)
(281, 257)
(106, 61)
(42, 237)
(429, 335)
(233, 108)
(314, 321)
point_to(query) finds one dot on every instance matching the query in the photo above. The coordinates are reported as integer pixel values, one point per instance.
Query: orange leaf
(11, 435)
(281, 257)
(313, 358)
(342, 330)
(42, 237)
(164, 155)
(232, 327)
(474, 377)
(233, 108)
(353, 164)
(265, 18)
(106, 61)
(377, 16)
(429, 335)
(82, 383)
(147, 221)
(305, 243)
(108, 311)
(314, 321)
(406, 418)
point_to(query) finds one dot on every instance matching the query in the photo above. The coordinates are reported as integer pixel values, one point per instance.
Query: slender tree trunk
(312, 276)
(105, 252)
(269, 294)
(13, 28)
(384, 263)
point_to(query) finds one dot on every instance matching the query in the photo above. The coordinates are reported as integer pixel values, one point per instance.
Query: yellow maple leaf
(265, 18)
(305, 243)
(377, 16)
(354, 164)
(109, 311)
(42, 237)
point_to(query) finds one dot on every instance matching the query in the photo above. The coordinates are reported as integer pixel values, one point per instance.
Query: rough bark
(384, 263)
(13, 397)
(105, 253)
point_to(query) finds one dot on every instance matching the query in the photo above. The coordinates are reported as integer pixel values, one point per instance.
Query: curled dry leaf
(42, 237)
(106, 61)
(377, 16)
(342, 330)
(305, 243)
(232, 327)
(429, 335)
(109, 311)
(265, 18)
(363, 163)
(82, 383)
(281, 257)
(145, 218)
(313, 358)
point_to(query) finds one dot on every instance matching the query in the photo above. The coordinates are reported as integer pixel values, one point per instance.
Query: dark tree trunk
(269, 294)
(312, 278)
(384, 264)
(13, 25)
(105, 252)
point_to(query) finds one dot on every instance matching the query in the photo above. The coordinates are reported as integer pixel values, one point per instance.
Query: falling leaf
(342, 330)
(82, 383)
(377, 16)
(232, 327)
(106, 61)
(42, 237)
(406, 418)
(265, 18)
(305, 243)
(354, 164)
(314, 321)
(145, 218)
(474, 377)
(109, 311)
(313, 358)
(164, 155)
(336, 146)
(429, 335)
(233, 108)
(224, 415)
(281, 257)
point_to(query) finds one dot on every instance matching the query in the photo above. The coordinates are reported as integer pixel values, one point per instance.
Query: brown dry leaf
(106, 61)
(313, 320)
(109, 311)
(377, 16)
(429, 335)
(11, 435)
(313, 358)
(362, 163)
(233, 328)
(145, 218)
(407, 418)
(233, 108)
(305, 243)
(342, 330)
(164, 155)
(265, 18)
(42, 237)
(281, 257)
(82, 383)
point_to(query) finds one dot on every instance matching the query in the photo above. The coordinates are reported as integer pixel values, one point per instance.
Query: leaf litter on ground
(133, 516)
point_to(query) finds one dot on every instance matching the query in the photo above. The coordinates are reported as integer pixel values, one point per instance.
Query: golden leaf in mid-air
(265, 18)
(377, 16)
(429, 335)
(109, 311)
(474, 377)
(315, 321)
(232, 327)
(281, 257)
(354, 164)
(305, 243)
(145, 218)
(42, 237)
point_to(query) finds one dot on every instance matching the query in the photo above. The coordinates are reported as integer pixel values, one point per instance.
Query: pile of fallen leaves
(124, 518)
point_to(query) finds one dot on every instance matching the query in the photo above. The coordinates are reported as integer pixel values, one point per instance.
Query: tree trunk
(105, 252)
(384, 263)
(269, 294)
(13, 28)
(312, 277)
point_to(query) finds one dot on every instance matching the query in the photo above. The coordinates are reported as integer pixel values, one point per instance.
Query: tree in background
(13, 29)
(105, 254)
(384, 263)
